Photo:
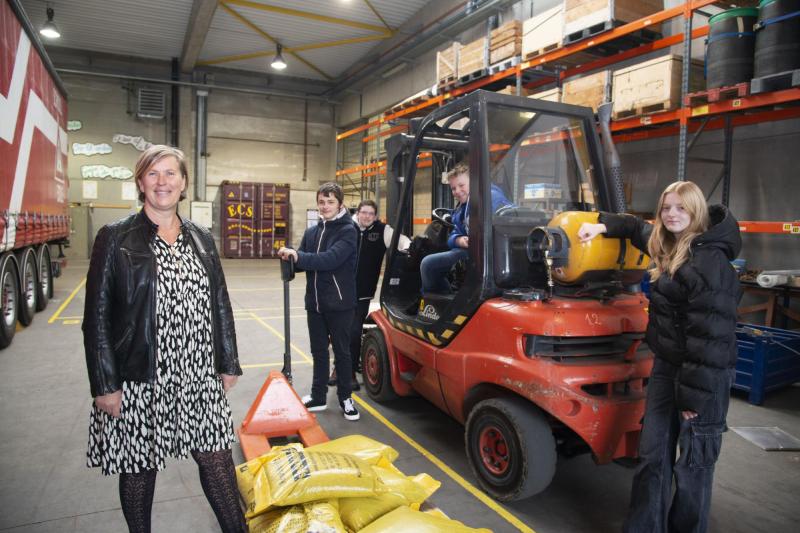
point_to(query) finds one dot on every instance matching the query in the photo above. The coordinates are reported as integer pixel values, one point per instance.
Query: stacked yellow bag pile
(345, 485)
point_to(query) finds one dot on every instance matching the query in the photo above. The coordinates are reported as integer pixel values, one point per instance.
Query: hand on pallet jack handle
(109, 403)
(285, 253)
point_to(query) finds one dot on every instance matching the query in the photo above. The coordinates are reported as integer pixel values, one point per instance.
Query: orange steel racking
(722, 114)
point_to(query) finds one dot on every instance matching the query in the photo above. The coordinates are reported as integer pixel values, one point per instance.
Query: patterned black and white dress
(186, 408)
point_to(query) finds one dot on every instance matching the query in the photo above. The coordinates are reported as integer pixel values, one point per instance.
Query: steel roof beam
(196, 31)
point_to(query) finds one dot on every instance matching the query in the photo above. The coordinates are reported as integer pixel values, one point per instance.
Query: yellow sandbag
(364, 448)
(290, 475)
(317, 517)
(404, 519)
(399, 490)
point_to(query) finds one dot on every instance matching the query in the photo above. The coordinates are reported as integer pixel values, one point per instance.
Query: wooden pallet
(716, 94)
(641, 110)
(447, 81)
(504, 65)
(590, 31)
(775, 82)
(542, 51)
(472, 76)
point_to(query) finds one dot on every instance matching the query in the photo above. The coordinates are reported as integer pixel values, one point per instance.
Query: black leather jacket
(119, 319)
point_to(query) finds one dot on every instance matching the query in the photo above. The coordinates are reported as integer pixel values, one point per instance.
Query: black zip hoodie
(328, 255)
(693, 314)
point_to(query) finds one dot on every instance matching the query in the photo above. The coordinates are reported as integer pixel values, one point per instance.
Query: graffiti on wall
(138, 142)
(103, 171)
(74, 125)
(90, 149)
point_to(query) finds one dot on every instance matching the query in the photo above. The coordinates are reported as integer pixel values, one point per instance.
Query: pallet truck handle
(287, 275)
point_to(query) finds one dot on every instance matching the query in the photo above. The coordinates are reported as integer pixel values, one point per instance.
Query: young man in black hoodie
(328, 255)
(374, 238)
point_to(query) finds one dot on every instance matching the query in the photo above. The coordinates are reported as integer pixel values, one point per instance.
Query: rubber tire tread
(26, 314)
(7, 333)
(385, 392)
(536, 444)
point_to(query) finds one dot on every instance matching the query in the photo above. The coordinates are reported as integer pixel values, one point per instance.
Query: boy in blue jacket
(328, 255)
(435, 267)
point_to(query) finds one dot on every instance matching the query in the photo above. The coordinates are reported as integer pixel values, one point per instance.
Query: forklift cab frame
(544, 156)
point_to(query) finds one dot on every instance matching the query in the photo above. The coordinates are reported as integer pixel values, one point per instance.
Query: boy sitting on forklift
(435, 267)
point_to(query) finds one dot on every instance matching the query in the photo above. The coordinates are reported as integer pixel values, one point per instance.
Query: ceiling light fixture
(49, 28)
(277, 62)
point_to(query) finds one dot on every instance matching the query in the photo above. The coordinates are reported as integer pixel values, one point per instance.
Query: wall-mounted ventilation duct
(151, 103)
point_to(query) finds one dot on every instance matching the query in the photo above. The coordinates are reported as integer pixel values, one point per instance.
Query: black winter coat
(119, 317)
(693, 314)
(328, 254)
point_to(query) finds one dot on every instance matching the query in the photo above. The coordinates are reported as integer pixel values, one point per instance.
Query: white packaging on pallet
(542, 33)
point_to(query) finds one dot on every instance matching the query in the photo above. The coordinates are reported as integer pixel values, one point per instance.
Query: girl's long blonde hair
(667, 251)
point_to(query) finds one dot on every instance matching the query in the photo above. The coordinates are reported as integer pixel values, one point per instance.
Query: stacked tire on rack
(26, 286)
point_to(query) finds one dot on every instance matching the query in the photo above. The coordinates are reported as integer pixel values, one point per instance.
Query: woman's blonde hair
(153, 155)
(667, 251)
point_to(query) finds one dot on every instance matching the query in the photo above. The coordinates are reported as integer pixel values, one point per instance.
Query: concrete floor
(44, 406)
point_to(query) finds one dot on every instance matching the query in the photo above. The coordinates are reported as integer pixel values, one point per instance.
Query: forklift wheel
(375, 366)
(511, 448)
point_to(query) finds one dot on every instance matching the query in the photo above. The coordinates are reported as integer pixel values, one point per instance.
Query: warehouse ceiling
(320, 38)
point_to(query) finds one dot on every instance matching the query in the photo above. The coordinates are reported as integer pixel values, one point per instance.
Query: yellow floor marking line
(489, 502)
(273, 317)
(248, 289)
(280, 336)
(67, 301)
(264, 365)
(510, 518)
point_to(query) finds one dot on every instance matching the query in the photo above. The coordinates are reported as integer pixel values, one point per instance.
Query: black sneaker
(349, 409)
(314, 405)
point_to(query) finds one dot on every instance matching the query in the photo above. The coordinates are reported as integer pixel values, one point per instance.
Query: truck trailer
(34, 218)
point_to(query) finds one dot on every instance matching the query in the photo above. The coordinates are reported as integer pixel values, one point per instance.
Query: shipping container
(255, 219)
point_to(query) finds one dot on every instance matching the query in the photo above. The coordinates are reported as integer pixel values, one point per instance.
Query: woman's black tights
(217, 477)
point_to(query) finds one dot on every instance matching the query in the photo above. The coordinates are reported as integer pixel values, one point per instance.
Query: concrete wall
(103, 108)
(251, 138)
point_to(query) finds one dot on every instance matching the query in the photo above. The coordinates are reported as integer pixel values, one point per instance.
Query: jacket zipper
(319, 245)
(337, 286)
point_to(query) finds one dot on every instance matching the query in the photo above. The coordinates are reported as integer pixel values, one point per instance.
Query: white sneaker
(349, 409)
(312, 405)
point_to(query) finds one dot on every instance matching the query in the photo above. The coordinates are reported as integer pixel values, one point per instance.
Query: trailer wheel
(45, 286)
(511, 448)
(9, 300)
(29, 287)
(375, 367)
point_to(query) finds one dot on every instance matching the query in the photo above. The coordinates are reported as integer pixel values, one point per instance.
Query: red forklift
(539, 348)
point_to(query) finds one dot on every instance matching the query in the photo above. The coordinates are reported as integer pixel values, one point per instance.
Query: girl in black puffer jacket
(694, 295)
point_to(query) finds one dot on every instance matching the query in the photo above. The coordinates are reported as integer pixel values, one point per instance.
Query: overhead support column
(201, 146)
(196, 31)
(685, 73)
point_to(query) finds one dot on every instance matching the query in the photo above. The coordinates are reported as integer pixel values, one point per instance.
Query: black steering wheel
(443, 215)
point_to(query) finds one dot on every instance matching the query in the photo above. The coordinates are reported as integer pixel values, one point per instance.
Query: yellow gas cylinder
(599, 259)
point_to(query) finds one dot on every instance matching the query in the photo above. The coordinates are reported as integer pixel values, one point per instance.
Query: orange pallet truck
(277, 410)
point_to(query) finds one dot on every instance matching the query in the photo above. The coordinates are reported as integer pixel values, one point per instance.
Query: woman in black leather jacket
(692, 332)
(160, 348)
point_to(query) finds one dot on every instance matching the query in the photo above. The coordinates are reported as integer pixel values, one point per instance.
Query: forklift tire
(375, 367)
(511, 448)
